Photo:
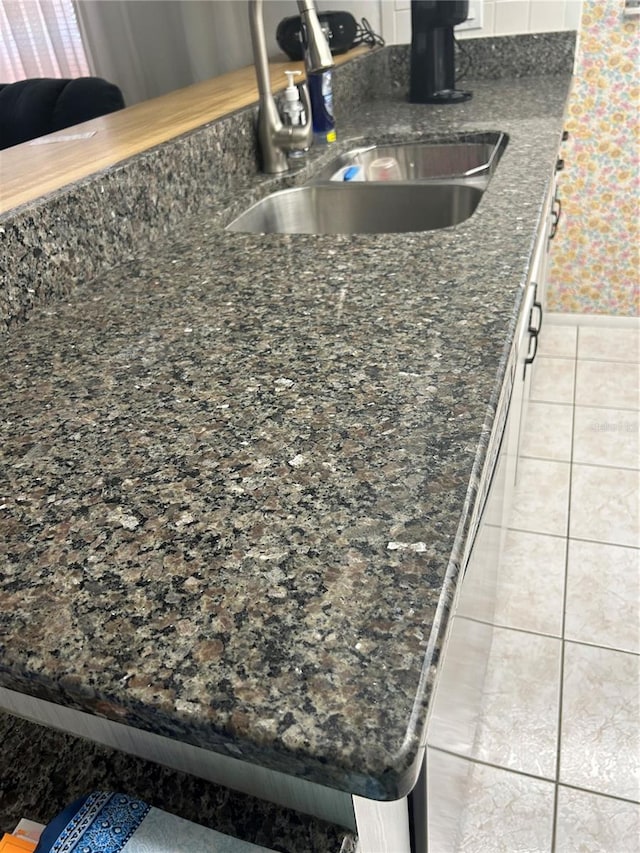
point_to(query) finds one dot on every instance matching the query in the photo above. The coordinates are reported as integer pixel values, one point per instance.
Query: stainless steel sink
(360, 208)
(472, 156)
(439, 184)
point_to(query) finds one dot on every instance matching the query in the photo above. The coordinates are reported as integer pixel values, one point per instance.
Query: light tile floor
(556, 766)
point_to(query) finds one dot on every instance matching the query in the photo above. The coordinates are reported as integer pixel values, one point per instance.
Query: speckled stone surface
(89, 227)
(93, 225)
(238, 472)
(497, 58)
(42, 771)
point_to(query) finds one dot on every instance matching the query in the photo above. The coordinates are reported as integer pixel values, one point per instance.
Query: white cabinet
(459, 689)
(540, 268)
(530, 324)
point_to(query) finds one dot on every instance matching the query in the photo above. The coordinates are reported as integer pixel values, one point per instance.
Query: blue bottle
(321, 97)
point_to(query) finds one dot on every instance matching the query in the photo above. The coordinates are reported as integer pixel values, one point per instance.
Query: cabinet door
(460, 678)
(459, 687)
(529, 328)
(527, 343)
(541, 260)
(459, 690)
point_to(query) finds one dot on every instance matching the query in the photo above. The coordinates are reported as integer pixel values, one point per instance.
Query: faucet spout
(275, 138)
(318, 53)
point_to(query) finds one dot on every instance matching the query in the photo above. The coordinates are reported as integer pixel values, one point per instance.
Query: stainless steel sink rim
(362, 208)
(423, 160)
(422, 203)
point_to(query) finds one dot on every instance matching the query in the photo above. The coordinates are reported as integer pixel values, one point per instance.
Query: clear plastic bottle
(293, 111)
(293, 108)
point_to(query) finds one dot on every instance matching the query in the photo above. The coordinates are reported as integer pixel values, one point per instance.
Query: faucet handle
(303, 88)
(300, 136)
(294, 129)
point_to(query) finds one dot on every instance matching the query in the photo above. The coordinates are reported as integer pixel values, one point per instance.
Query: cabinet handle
(531, 355)
(555, 216)
(536, 329)
(559, 164)
(565, 135)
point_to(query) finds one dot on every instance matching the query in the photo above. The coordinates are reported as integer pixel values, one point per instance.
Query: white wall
(499, 18)
(149, 48)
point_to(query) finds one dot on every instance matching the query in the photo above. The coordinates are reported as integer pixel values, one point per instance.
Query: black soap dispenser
(432, 68)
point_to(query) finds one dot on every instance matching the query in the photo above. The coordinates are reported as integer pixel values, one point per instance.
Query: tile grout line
(587, 464)
(609, 407)
(615, 649)
(595, 793)
(545, 634)
(582, 358)
(563, 641)
(513, 628)
(536, 532)
(483, 763)
(600, 542)
(576, 538)
(556, 787)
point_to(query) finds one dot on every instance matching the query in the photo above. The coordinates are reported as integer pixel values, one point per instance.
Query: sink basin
(470, 156)
(360, 208)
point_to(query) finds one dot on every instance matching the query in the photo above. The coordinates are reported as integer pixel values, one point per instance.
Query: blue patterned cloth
(99, 823)
(116, 823)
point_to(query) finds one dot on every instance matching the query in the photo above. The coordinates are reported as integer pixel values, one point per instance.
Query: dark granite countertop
(238, 472)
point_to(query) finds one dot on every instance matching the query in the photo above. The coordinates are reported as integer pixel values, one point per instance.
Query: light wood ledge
(29, 171)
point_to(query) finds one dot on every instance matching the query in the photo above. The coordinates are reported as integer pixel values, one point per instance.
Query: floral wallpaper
(595, 258)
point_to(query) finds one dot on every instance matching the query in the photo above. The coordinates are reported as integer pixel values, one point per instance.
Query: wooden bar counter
(28, 171)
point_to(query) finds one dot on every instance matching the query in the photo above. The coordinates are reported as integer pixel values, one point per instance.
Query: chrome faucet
(275, 138)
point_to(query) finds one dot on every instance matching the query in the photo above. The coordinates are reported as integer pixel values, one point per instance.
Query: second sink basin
(469, 156)
(360, 208)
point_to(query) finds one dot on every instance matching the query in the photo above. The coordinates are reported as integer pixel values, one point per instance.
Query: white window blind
(40, 38)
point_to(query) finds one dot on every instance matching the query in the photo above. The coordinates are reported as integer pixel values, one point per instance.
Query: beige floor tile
(558, 341)
(525, 590)
(606, 437)
(604, 505)
(603, 595)
(541, 497)
(602, 383)
(500, 719)
(553, 380)
(478, 809)
(547, 431)
(519, 726)
(589, 823)
(609, 344)
(600, 740)
(477, 599)
(530, 586)
(457, 703)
